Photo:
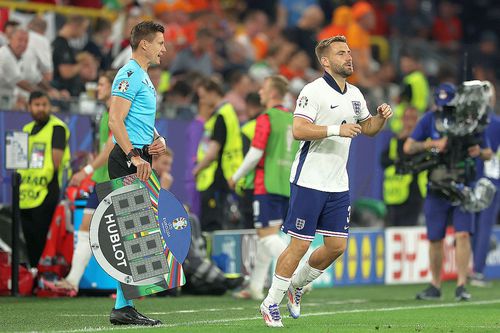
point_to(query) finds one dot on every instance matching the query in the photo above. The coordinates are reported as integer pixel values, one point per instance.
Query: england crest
(356, 105)
(300, 223)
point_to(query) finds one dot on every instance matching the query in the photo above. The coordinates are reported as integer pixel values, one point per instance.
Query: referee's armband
(333, 130)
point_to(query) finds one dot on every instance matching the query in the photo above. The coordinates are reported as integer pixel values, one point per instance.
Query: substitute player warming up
(329, 113)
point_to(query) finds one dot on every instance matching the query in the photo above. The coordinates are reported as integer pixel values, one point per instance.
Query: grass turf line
(343, 309)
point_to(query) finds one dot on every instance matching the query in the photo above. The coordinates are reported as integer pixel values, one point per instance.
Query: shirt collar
(332, 83)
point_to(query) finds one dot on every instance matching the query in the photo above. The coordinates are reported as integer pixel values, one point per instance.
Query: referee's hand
(158, 147)
(143, 168)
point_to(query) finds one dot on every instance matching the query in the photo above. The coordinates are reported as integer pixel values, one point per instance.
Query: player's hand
(158, 147)
(143, 168)
(231, 183)
(474, 151)
(440, 145)
(78, 178)
(350, 130)
(384, 111)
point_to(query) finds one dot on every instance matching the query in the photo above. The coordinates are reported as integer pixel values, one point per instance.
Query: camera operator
(453, 170)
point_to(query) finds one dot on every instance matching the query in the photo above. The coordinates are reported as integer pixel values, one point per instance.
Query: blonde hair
(280, 83)
(323, 45)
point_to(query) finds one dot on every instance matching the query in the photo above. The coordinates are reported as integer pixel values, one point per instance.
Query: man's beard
(41, 118)
(344, 72)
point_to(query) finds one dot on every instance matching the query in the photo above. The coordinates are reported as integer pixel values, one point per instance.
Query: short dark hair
(211, 85)
(144, 30)
(253, 99)
(10, 23)
(36, 95)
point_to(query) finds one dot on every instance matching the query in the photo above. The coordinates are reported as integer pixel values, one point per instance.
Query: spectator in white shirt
(12, 68)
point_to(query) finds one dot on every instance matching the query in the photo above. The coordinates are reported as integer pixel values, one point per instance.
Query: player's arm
(256, 151)
(120, 108)
(303, 129)
(373, 125)
(99, 161)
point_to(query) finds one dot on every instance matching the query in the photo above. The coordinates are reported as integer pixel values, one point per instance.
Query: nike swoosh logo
(346, 227)
(333, 106)
(129, 163)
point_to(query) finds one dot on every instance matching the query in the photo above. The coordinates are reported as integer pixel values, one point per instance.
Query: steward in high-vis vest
(272, 153)
(220, 153)
(414, 91)
(403, 193)
(49, 156)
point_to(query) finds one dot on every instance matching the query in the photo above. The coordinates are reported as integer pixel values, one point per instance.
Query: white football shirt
(321, 164)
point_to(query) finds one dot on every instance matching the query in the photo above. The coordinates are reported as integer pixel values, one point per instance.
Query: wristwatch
(133, 153)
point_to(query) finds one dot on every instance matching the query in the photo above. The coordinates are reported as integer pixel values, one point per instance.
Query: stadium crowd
(222, 51)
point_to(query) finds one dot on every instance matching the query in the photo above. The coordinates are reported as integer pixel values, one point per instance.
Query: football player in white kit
(329, 113)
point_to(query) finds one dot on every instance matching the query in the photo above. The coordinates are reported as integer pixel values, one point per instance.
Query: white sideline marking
(314, 314)
(352, 301)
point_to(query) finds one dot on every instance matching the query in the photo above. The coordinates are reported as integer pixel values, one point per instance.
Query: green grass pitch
(342, 309)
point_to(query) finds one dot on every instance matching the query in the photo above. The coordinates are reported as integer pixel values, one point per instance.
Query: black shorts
(120, 166)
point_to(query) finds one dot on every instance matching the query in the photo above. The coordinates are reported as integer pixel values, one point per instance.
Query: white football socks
(81, 258)
(277, 291)
(260, 270)
(305, 275)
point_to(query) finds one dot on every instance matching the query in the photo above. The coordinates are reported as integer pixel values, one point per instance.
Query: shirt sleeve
(10, 71)
(262, 131)
(220, 131)
(364, 113)
(306, 107)
(59, 138)
(126, 84)
(423, 128)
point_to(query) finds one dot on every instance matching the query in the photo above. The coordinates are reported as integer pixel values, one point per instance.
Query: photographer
(452, 171)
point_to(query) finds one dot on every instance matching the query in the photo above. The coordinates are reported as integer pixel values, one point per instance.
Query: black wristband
(133, 153)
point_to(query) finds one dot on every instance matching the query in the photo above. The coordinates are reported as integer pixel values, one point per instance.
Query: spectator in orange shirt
(358, 36)
(447, 27)
(341, 20)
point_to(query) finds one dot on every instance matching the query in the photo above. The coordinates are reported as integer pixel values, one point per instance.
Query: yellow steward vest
(232, 152)
(36, 178)
(397, 186)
